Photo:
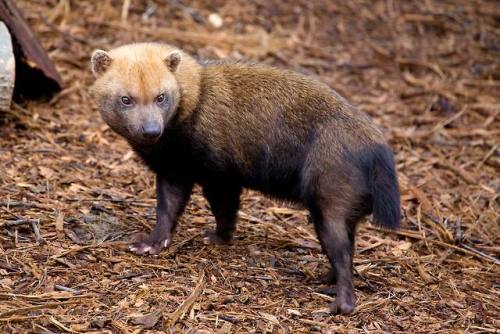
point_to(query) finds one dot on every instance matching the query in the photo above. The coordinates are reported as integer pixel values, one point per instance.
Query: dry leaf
(424, 274)
(270, 317)
(128, 155)
(60, 225)
(46, 172)
(148, 320)
(401, 248)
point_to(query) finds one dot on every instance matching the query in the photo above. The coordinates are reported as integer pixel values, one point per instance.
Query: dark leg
(171, 199)
(337, 240)
(331, 276)
(224, 201)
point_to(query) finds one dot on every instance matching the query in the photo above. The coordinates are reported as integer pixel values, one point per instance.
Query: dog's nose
(151, 130)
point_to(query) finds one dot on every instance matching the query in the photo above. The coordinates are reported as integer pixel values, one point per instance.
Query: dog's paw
(342, 305)
(211, 237)
(149, 247)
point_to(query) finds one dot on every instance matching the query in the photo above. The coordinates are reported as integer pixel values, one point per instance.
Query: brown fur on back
(251, 100)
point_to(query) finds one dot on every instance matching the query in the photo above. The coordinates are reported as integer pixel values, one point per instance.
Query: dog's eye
(127, 101)
(160, 98)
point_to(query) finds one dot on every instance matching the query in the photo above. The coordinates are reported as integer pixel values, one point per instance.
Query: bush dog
(228, 126)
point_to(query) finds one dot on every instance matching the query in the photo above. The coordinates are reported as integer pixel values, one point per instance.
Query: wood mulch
(72, 193)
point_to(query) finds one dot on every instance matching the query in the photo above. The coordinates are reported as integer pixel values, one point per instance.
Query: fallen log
(35, 72)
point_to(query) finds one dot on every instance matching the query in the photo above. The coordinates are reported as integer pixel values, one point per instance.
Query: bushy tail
(384, 188)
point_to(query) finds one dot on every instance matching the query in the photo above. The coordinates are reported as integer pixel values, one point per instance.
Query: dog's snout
(151, 130)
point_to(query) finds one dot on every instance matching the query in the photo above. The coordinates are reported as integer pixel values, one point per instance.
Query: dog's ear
(100, 61)
(173, 60)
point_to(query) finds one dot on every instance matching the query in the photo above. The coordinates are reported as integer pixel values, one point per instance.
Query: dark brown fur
(248, 126)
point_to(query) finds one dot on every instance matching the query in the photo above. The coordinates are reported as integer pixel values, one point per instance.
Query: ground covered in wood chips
(72, 193)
